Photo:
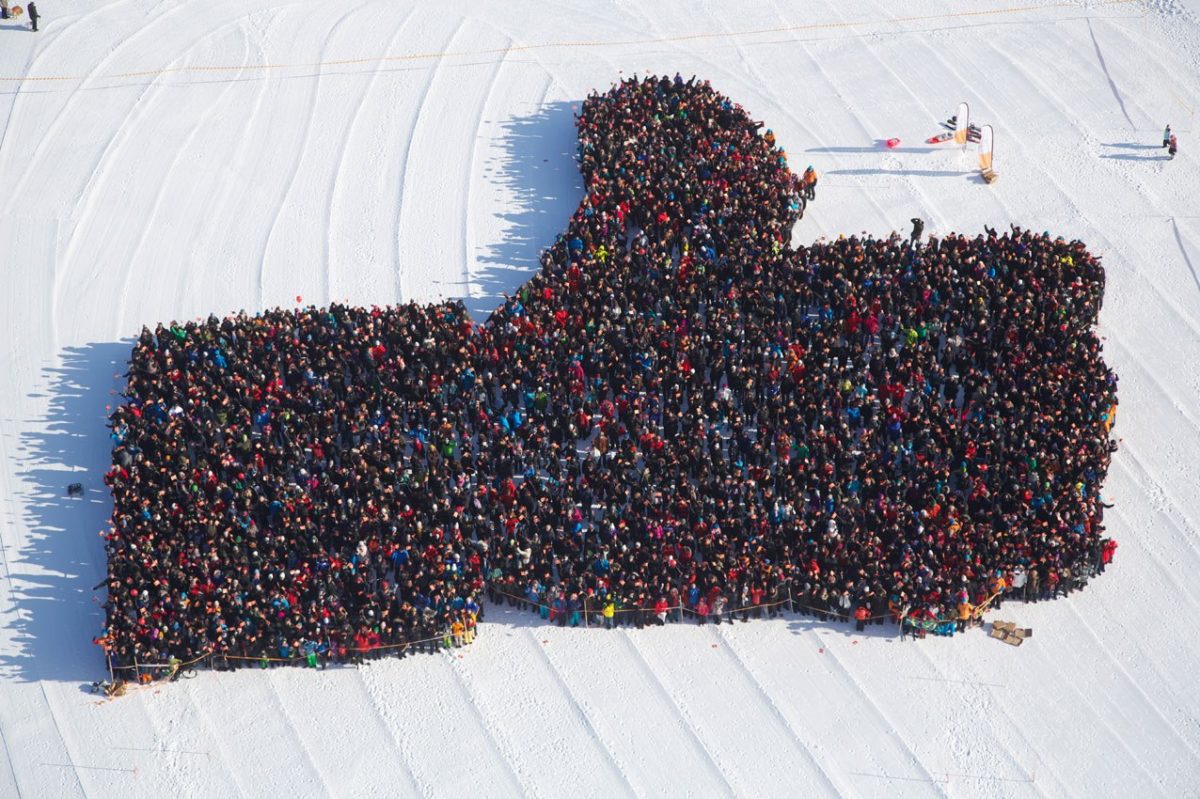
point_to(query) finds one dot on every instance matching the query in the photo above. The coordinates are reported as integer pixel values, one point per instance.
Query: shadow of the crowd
(538, 168)
(56, 613)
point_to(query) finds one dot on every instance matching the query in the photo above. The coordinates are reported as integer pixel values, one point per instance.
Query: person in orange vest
(860, 618)
(809, 182)
(965, 609)
(456, 632)
(999, 586)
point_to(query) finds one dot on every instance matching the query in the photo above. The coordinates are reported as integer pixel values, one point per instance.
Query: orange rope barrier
(174, 668)
(432, 55)
(685, 609)
(469, 637)
(976, 613)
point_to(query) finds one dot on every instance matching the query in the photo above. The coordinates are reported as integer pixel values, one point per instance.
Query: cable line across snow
(433, 55)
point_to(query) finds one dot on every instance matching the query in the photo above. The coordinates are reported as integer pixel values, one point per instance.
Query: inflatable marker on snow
(985, 154)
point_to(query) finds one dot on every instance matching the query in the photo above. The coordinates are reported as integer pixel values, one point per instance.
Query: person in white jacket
(1019, 579)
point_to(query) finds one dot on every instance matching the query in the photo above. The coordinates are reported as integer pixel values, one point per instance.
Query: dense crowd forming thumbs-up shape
(679, 413)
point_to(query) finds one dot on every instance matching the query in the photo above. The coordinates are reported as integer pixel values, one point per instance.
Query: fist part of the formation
(680, 413)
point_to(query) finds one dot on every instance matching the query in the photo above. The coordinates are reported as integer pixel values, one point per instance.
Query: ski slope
(163, 159)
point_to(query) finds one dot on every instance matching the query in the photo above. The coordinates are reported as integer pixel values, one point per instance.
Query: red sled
(891, 143)
(941, 137)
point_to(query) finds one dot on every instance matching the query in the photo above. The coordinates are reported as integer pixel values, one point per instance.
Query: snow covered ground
(161, 159)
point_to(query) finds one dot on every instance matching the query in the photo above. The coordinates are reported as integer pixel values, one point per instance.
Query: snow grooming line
(328, 528)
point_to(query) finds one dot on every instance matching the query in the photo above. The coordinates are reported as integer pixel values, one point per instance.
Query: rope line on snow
(551, 45)
(144, 676)
(294, 659)
(730, 611)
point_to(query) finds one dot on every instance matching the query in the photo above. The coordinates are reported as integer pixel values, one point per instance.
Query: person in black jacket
(918, 228)
(33, 15)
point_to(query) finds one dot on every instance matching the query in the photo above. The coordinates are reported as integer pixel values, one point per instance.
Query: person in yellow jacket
(965, 611)
(456, 632)
(610, 610)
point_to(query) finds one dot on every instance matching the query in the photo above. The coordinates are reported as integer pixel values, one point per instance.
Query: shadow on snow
(55, 612)
(538, 168)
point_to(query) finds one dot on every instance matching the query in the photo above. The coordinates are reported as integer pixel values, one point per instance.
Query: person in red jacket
(660, 611)
(1110, 548)
(702, 610)
(362, 645)
(860, 618)
(756, 600)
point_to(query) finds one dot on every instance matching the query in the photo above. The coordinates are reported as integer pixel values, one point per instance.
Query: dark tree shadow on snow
(538, 166)
(56, 613)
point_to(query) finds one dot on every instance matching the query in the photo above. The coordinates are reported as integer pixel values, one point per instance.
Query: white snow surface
(163, 159)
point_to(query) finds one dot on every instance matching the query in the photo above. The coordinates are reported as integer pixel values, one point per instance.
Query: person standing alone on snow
(809, 182)
(33, 15)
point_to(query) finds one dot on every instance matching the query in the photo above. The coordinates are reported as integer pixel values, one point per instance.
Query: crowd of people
(680, 416)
